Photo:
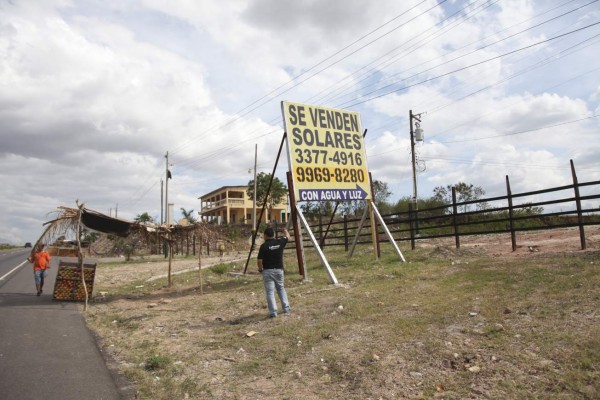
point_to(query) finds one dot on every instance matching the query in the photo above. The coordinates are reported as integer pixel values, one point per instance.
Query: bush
(156, 362)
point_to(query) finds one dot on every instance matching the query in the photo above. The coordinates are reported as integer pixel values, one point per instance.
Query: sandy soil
(529, 244)
(564, 240)
(218, 326)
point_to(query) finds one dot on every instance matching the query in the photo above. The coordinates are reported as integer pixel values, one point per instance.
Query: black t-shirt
(271, 252)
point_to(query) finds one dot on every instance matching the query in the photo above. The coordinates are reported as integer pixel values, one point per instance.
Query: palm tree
(189, 216)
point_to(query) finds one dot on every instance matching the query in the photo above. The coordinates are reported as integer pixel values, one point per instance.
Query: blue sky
(94, 93)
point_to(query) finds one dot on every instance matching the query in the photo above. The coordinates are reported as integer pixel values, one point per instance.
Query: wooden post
(170, 259)
(320, 225)
(322, 243)
(345, 232)
(297, 238)
(455, 217)
(411, 226)
(80, 256)
(578, 204)
(374, 220)
(200, 265)
(513, 237)
(265, 203)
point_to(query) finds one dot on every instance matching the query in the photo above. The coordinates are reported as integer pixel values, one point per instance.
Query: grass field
(446, 324)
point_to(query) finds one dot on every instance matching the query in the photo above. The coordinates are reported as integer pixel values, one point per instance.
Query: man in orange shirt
(41, 263)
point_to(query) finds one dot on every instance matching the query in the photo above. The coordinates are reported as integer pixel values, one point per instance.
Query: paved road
(46, 351)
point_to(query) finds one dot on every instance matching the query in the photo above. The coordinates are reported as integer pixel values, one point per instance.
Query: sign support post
(388, 233)
(315, 243)
(297, 237)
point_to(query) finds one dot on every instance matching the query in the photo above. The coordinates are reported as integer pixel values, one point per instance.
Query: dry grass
(451, 324)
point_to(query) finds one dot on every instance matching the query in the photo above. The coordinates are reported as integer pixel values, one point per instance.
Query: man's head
(269, 233)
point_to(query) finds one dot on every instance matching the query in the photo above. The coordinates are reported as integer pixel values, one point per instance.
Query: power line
(496, 136)
(261, 101)
(460, 69)
(521, 132)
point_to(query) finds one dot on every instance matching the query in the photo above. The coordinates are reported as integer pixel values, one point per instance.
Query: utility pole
(254, 194)
(116, 210)
(166, 245)
(162, 210)
(418, 136)
(167, 173)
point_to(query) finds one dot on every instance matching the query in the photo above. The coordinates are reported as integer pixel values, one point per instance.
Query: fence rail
(511, 213)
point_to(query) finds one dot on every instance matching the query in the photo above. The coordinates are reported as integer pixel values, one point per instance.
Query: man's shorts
(40, 274)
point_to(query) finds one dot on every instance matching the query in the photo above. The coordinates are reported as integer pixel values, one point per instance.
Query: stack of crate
(69, 286)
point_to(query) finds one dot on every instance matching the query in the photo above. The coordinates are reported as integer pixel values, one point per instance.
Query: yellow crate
(68, 285)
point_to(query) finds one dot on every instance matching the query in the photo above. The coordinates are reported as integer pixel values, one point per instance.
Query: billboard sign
(326, 153)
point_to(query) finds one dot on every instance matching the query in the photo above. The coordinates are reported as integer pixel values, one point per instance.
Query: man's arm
(259, 263)
(286, 233)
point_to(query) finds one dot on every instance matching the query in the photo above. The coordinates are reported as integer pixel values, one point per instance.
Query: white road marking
(11, 271)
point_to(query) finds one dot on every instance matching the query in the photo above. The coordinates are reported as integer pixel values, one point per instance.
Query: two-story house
(231, 205)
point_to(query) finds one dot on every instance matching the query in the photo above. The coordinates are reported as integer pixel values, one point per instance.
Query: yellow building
(231, 205)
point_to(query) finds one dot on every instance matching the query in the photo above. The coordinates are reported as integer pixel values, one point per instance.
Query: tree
(352, 208)
(464, 192)
(188, 215)
(191, 219)
(310, 209)
(144, 218)
(276, 195)
(88, 236)
(381, 193)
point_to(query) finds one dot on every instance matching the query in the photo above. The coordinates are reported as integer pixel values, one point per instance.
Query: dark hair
(269, 232)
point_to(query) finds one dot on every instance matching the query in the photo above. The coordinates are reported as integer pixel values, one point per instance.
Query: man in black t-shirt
(270, 264)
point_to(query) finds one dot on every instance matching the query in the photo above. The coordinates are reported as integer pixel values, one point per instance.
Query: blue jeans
(273, 280)
(39, 276)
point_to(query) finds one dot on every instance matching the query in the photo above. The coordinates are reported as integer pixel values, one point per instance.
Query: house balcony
(223, 203)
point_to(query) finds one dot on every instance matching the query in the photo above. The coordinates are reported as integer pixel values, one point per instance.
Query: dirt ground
(529, 244)
(156, 267)
(482, 341)
(565, 240)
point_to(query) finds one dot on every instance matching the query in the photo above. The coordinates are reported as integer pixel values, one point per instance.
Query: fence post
(513, 237)
(346, 232)
(411, 226)
(454, 218)
(374, 223)
(578, 203)
(320, 225)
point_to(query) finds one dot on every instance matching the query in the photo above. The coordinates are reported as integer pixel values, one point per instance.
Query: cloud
(95, 93)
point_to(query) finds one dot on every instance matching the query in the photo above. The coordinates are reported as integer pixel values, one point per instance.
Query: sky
(94, 93)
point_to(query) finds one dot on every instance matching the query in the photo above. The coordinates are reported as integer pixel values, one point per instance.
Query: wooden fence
(574, 205)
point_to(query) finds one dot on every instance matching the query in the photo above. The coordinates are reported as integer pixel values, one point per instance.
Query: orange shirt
(41, 260)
